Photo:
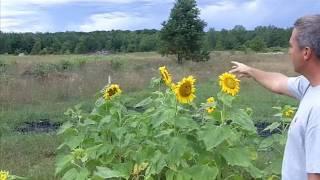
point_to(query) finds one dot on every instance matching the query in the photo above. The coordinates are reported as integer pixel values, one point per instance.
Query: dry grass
(132, 71)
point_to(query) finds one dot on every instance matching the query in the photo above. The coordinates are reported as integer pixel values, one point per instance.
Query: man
(301, 159)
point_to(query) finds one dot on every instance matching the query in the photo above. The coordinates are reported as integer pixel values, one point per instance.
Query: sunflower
(166, 77)
(4, 175)
(111, 90)
(229, 83)
(288, 113)
(185, 90)
(210, 100)
(137, 168)
(78, 153)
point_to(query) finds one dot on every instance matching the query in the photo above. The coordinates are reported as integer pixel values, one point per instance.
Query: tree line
(238, 38)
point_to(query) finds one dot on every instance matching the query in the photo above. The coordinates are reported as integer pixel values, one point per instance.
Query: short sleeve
(297, 86)
(312, 141)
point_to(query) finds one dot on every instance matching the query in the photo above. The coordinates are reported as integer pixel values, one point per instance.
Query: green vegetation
(182, 35)
(28, 98)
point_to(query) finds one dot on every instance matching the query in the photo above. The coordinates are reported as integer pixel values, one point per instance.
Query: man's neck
(313, 72)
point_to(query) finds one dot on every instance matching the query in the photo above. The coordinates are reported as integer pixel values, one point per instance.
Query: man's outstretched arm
(275, 82)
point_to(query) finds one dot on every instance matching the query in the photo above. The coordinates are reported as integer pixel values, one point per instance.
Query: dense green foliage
(237, 38)
(182, 34)
(161, 139)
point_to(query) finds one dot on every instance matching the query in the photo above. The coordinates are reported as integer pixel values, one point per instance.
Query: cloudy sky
(91, 15)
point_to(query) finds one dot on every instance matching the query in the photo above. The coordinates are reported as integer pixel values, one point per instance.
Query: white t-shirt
(302, 151)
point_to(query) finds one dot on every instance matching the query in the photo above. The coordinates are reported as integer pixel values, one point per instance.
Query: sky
(96, 15)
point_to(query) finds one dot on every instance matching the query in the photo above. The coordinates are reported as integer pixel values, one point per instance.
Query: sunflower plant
(165, 136)
(273, 146)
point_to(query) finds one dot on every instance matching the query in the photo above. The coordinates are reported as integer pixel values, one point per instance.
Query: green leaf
(83, 174)
(170, 175)
(144, 102)
(272, 126)
(105, 120)
(119, 132)
(168, 115)
(226, 99)
(64, 127)
(62, 163)
(214, 135)
(157, 164)
(164, 133)
(278, 115)
(186, 123)
(241, 118)
(105, 172)
(237, 156)
(100, 102)
(177, 147)
(70, 175)
(93, 151)
(266, 143)
(89, 122)
(124, 169)
(254, 171)
(74, 141)
(203, 172)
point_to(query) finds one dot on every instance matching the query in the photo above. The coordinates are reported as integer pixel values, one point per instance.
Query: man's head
(305, 41)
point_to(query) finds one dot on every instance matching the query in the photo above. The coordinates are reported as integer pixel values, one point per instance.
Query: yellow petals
(211, 109)
(4, 175)
(229, 83)
(185, 90)
(166, 77)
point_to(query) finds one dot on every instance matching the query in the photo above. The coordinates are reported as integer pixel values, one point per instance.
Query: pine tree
(183, 34)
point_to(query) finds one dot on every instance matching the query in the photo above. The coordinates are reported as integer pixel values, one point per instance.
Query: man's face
(295, 52)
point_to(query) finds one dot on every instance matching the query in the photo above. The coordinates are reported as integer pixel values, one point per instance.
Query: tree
(257, 44)
(183, 34)
(36, 47)
(211, 38)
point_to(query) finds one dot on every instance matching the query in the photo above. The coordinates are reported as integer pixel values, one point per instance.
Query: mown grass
(27, 97)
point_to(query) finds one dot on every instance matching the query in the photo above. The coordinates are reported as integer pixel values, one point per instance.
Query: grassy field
(33, 88)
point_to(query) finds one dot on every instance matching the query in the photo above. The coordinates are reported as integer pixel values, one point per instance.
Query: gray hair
(308, 32)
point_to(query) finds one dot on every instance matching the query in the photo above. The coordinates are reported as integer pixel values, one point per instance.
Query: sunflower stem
(223, 114)
(174, 125)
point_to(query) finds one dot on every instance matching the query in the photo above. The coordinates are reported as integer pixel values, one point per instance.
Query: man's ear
(307, 53)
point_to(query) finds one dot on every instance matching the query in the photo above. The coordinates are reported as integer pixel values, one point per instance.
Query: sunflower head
(4, 175)
(78, 153)
(210, 100)
(137, 168)
(185, 90)
(229, 83)
(288, 113)
(166, 77)
(110, 91)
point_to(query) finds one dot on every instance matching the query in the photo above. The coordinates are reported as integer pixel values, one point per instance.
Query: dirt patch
(40, 126)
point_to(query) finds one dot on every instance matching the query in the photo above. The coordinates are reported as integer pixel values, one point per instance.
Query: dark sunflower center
(112, 91)
(230, 83)
(185, 89)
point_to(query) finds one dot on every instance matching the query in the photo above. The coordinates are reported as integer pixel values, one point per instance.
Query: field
(35, 89)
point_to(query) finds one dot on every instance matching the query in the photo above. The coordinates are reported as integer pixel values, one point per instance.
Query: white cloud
(114, 20)
(53, 2)
(229, 13)
(31, 15)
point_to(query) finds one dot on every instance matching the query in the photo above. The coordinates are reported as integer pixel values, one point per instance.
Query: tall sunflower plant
(165, 136)
(276, 138)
